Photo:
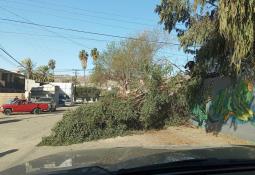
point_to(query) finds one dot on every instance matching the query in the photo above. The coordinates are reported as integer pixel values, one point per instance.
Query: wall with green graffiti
(235, 102)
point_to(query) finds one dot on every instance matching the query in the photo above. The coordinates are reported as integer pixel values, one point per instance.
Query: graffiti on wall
(236, 103)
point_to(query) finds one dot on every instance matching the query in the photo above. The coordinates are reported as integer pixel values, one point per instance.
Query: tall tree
(83, 55)
(126, 62)
(52, 65)
(28, 68)
(94, 54)
(219, 32)
(42, 74)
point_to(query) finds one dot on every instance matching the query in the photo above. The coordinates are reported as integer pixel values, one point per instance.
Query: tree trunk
(84, 77)
(53, 75)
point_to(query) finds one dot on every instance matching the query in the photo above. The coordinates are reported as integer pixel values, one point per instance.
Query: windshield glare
(155, 82)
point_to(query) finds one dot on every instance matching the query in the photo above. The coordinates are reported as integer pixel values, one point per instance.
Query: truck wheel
(37, 111)
(7, 111)
(52, 109)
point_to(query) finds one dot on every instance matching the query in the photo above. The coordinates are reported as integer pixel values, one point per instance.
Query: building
(47, 90)
(11, 85)
(11, 82)
(58, 91)
(66, 91)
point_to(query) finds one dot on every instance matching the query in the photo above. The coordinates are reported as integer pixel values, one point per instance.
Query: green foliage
(99, 75)
(113, 115)
(237, 20)
(28, 68)
(125, 62)
(172, 12)
(94, 54)
(52, 64)
(87, 92)
(153, 111)
(106, 118)
(111, 93)
(42, 74)
(83, 56)
(223, 30)
(199, 113)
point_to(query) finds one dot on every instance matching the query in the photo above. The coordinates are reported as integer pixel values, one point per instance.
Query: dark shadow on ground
(213, 127)
(6, 117)
(10, 121)
(58, 111)
(14, 115)
(8, 152)
(29, 113)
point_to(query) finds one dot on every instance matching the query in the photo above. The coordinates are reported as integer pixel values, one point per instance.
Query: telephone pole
(75, 80)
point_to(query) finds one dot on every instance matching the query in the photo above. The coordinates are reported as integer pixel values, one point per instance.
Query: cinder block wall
(5, 96)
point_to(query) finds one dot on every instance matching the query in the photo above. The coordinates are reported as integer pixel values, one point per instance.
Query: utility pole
(75, 82)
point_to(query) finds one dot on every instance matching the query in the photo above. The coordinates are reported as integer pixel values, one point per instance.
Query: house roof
(6, 71)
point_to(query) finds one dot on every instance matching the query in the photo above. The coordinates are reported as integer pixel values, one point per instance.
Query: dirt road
(19, 135)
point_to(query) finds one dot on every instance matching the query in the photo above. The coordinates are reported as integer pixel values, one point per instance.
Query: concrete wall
(214, 85)
(29, 84)
(241, 130)
(244, 131)
(6, 96)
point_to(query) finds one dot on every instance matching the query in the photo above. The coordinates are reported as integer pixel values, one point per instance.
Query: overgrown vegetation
(220, 33)
(126, 62)
(152, 108)
(43, 73)
(87, 93)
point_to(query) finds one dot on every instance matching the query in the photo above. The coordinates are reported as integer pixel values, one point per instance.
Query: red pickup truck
(24, 106)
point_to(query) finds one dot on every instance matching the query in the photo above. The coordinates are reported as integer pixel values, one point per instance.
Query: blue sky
(125, 18)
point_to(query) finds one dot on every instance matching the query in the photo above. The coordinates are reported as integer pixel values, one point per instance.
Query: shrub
(178, 111)
(113, 115)
(87, 92)
(153, 111)
(102, 119)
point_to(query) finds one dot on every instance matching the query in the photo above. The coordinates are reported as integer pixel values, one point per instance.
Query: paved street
(20, 133)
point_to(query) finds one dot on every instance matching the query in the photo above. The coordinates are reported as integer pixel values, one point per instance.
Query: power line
(62, 17)
(29, 21)
(97, 12)
(82, 38)
(9, 55)
(7, 60)
(87, 13)
(82, 31)
(50, 36)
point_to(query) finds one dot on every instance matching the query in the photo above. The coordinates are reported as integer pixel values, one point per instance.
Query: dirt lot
(19, 135)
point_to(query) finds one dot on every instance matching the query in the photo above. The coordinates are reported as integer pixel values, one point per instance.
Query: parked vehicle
(79, 101)
(68, 102)
(24, 106)
(49, 100)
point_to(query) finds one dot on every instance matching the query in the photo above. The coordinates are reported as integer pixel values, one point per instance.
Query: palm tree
(94, 54)
(28, 68)
(83, 55)
(43, 73)
(52, 65)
